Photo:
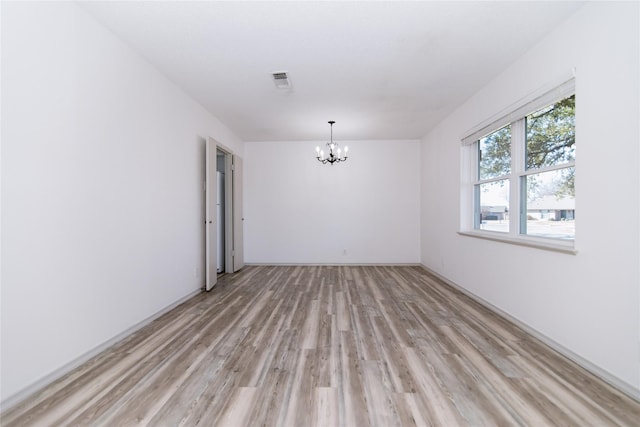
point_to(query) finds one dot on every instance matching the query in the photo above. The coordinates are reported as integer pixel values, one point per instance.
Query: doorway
(223, 212)
(220, 210)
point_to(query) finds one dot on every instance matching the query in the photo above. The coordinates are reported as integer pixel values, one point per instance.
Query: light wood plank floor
(328, 346)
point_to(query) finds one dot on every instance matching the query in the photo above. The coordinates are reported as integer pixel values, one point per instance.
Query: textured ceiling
(381, 70)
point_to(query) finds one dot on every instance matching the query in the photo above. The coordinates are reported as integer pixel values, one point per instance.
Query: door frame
(211, 220)
(210, 215)
(228, 207)
(237, 214)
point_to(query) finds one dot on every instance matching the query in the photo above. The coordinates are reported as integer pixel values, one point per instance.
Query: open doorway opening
(223, 212)
(220, 210)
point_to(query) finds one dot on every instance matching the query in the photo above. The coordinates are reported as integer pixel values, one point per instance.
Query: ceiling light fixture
(335, 153)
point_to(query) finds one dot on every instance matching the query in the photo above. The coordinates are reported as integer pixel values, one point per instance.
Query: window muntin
(530, 164)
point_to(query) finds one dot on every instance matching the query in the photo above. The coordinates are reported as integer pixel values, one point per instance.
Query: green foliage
(558, 183)
(495, 154)
(567, 186)
(551, 134)
(551, 140)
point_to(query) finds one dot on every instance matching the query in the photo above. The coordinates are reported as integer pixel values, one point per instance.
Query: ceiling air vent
(281, 80)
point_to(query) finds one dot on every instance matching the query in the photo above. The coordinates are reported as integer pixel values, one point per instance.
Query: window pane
(551, 136)
(492, 206)
(494, 154)
(550, 204)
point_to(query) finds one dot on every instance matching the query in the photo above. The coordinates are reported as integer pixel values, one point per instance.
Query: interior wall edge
(619, 384)
(45, 381)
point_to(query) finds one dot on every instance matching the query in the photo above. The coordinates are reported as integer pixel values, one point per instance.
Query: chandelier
(335, 153)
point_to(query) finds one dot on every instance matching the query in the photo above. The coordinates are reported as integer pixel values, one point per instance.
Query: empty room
(320, 213)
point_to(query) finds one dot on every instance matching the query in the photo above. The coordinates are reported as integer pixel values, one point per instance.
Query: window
(519, 173)
(492, 187)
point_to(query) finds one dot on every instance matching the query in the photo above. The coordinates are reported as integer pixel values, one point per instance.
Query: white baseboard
(604, 375)
(60, 372)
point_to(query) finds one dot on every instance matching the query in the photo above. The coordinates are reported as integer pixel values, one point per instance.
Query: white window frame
(514, 116)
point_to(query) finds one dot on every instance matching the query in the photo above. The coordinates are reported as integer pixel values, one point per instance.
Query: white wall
(300, 211)
(102, 170)
(589, 303)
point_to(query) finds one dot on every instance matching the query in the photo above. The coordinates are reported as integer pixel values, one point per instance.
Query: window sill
(566, 247)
